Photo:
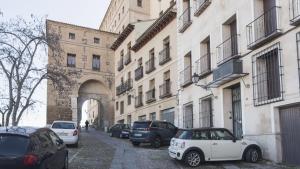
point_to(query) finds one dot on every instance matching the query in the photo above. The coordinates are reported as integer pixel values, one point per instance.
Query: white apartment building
(243, 57)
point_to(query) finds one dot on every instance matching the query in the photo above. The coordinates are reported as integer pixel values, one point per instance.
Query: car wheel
(66, 164)
(110, 134)
(193, 158)
(156, 143)
(135, 143)
(252, 155)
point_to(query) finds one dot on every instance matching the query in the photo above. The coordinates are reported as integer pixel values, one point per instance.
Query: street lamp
(196, 79)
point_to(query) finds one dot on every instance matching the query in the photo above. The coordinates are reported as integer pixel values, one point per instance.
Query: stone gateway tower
(87, 51)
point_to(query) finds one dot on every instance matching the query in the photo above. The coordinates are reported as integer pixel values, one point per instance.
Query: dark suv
(120, 130)
(154, 132)
(31, 148)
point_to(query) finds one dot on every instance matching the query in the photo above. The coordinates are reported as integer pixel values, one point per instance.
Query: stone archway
(96, 90)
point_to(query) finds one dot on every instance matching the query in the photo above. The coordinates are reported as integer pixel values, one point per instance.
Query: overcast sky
(88, 13)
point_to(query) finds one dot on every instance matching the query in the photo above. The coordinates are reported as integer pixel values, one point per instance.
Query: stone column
(74, 107)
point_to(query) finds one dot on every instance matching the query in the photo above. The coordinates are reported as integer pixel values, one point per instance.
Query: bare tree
(23, 44)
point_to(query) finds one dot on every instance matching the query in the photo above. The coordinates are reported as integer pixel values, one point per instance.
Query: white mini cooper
(195, 146)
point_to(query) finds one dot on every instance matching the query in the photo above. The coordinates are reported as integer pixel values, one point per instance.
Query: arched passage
(96, 90)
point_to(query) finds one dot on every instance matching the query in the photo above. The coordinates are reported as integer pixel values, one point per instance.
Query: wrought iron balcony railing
(122, 88)
(127, 59)
(139, 73)
(150, 65)
(229, 49)
(164, 56)
(185, 20)
(150, 96)
(139, 101)
(263, 28)
(129, 84)
(120, 65)
(200, 6)
(165, 90)
(203, 65)
(186, 76)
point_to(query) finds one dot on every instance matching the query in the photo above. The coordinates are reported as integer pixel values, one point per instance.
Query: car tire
(193, 159)
(135, 143)
(156, 142)
(110, 134)
(252, 155)
(66, 162)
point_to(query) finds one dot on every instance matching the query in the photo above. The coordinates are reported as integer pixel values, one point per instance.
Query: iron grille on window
(203, 65)
(228, 49)
(263, 27)
(96, 62)
(200, 6)
(188, 116)
(186, 76)
(150, 96)
(185, 20)
(295, 11)
(206, 113)
(127, 58)
(139, 101)
(164, 56)
(139, 73)
(121, 107)
(120, 64)
(298, 54)
(267, 76)
(165, 89)
(153, 116)
(150, 65)
(71, 60)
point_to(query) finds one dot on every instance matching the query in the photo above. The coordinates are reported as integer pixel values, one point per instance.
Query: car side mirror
(234, 139)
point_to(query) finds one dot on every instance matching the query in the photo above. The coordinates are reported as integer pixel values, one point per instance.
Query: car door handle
(214, 144)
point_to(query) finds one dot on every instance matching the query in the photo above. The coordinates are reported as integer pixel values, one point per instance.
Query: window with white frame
(206, 112)
(188, 115)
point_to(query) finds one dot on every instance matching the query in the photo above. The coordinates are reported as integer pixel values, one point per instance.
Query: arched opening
(94, 103)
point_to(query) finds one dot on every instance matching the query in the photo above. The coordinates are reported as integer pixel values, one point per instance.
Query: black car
(155, 132)
(120, 130)
(31, 148)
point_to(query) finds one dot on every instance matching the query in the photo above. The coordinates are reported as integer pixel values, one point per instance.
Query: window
(200, 135)
(139, 3)
(96, 62)
(129, 100)
(188, 115)
(71, 60)
(267, 79)
(142, 118)
(71, 35)
(122, 107)
(96, 40)
(129, 120)
(117, 105)
(123, 9)
(153, 116)
(221, 135)
(206, 116)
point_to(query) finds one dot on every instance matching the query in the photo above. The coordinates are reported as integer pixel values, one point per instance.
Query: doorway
(237, 111)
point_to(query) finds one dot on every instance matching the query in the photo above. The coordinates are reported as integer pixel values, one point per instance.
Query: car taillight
(75, 133)
(30, 160)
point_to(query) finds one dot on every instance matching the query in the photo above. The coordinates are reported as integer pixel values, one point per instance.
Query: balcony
(127, 59)
(165, 90)
(229, 71)
(120, 65)
(203, 66)
(164, 56)
(139, 101)
(150, 96)
(200, 6)
(295, 12)
(264, 28)
(150, 65)
(185, 20)
(122, 88)
(139, 73)
(186, 76)
(229, 49)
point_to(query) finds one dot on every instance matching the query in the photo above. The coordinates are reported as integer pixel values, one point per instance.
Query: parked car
(155, 132)
(195, 146)
(31, 148)
(67, 131)
(119, 130)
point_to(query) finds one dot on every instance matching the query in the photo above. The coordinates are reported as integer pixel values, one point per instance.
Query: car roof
(62, 121)
(204, 128)
(23, 131)
(149, 121)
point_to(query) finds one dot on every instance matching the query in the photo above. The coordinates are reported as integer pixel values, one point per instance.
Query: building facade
(87, 51)
(240, 70)
(146, 66)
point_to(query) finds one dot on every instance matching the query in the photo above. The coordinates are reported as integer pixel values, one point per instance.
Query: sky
(88, 13)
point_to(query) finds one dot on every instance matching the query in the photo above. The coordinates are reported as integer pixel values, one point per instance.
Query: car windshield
(13, 145)
(184, 134)
(140, 125)
(63, 125)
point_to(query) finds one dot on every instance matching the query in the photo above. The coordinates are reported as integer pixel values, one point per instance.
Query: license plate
(138, 135)
(63, 134)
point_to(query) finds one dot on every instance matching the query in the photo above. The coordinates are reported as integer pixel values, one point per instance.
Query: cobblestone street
(99, 151)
